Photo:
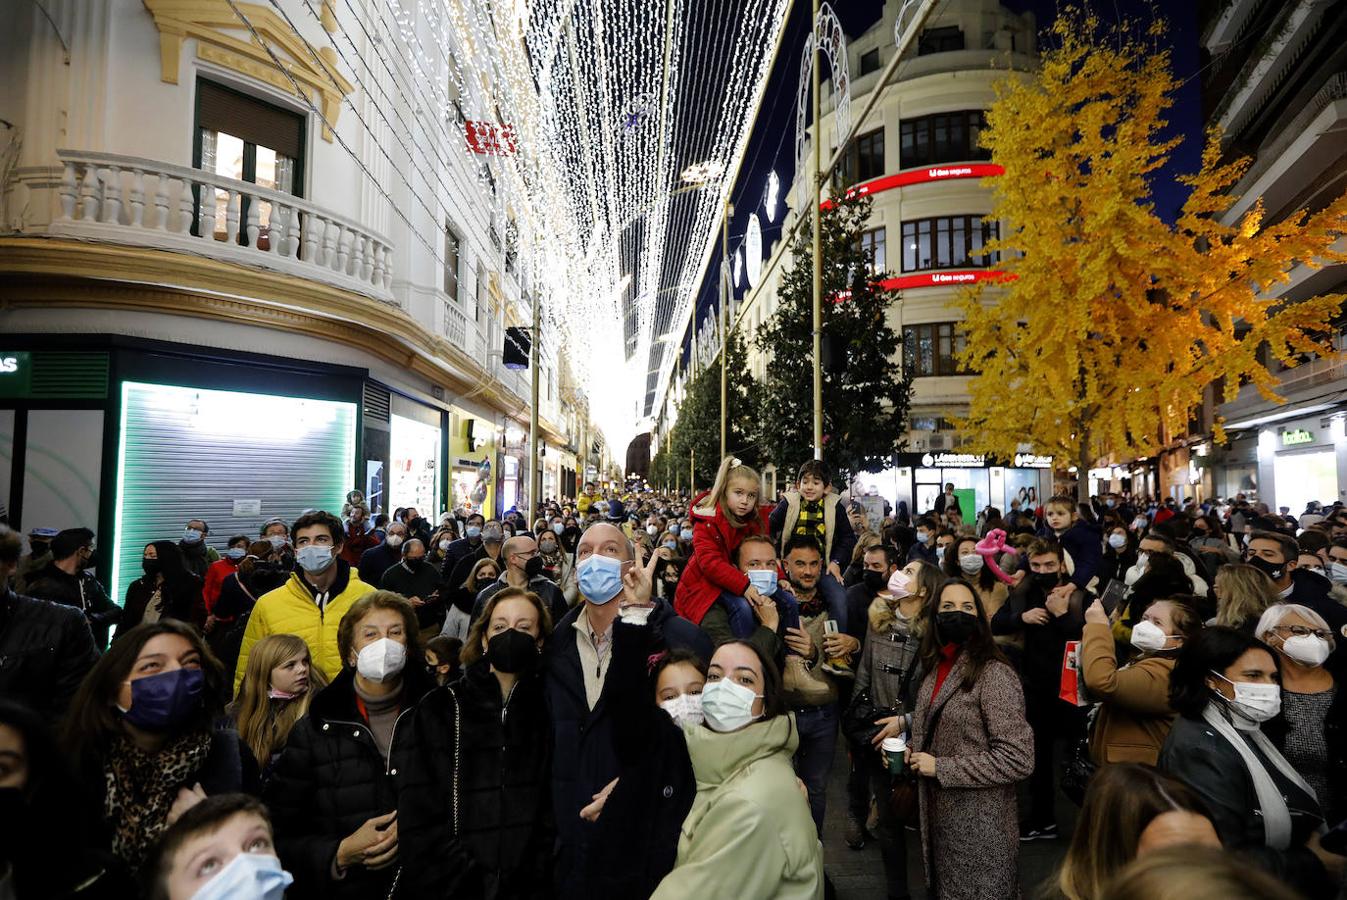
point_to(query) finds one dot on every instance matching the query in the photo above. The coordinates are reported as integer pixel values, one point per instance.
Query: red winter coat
(711, 570)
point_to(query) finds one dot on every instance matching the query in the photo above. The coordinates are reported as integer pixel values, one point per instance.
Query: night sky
(772, 144)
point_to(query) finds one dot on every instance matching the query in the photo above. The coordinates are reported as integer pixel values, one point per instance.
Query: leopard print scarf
(141, 788)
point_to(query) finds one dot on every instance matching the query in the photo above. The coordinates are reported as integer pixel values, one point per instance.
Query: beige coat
(1134, 715)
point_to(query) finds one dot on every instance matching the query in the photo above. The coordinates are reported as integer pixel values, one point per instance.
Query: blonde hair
(1194, 873)
(1244, 594)
(865, 541)
(731, 470)
(265, 726)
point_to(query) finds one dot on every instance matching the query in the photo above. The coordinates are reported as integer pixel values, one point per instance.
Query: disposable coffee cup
(895, 751)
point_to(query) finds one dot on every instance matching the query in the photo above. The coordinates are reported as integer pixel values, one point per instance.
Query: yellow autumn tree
(1110, 322)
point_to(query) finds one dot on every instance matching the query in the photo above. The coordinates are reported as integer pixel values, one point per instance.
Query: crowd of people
(644, 695)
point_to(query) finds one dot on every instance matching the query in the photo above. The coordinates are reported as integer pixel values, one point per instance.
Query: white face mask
(1253, 703)
(970, 563)
(444, 544)
(685, 709)
(728, 706)
(1306, 649)
(381, 659)
(394, 540)
(1337, 572)
(1117, 541)
(1148, 637)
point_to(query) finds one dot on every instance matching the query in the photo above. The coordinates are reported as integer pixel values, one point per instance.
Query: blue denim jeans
(742, 621)
(817, 726)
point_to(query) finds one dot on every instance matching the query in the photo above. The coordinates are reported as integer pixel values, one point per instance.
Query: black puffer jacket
(46, 649)
(330, 779)
(497, 755)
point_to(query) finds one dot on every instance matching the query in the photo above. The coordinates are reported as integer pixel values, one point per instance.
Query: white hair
(1277, 612)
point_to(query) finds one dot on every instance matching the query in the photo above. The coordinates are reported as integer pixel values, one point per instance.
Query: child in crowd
(1083, 541)
(442, 658)
(813, 509)
(722, 518)
(220, 849)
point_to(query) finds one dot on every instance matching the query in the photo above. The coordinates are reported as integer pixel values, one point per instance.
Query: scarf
(811, 608)
(811, 521)
(1276, 815)
(140, 788)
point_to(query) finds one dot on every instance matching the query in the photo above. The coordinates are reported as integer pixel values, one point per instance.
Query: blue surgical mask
(686, 534)
(599, 578)
(249, 876)
(558, 528)
(923, 537)
(764, 580)
(670, 545)
(161, 702)
(474, 531)
(191, 536)
(314, 558)
(236, 553)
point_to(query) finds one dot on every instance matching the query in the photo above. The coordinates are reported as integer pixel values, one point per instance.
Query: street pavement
(859, 874)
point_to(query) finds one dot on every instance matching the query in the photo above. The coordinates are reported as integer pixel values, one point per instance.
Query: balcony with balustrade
(147, 203)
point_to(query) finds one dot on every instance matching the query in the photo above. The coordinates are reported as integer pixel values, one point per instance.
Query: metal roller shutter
(192, 453)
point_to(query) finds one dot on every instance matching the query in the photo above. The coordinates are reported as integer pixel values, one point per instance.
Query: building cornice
(43, 273)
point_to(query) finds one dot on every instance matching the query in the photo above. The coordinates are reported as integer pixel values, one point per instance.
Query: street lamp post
(814, 179)
(725, 291)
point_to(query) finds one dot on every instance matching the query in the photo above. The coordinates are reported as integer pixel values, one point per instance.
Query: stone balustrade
(128, 200)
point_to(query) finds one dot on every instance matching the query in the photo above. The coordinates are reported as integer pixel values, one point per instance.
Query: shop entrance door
(1302, 477)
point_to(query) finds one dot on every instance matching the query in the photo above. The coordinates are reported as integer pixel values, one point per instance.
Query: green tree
(698, 426)
(865, 408)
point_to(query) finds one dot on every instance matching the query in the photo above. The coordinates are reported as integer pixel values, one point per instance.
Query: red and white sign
(920, 176)
(934, 279)
(490, 139)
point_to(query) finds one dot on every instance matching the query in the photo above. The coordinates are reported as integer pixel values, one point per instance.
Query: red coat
(216, 573)
(711, 570)
(357, 541)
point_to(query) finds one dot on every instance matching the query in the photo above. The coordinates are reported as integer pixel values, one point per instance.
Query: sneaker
(1041, 833)
(838, 670)
(855, 833)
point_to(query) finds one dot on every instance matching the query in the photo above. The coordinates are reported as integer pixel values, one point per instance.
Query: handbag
(1077, 770)
(859, 718)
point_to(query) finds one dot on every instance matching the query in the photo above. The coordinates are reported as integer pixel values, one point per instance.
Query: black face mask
(39, 548)
(512, 651)
(534, 567)
(955, 626)
(1272, 570)
(1046, 581)
(874, 581)
(416, 564)
(151, 566)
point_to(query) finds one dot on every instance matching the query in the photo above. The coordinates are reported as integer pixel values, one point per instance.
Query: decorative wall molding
(45, 273)
(224, 40)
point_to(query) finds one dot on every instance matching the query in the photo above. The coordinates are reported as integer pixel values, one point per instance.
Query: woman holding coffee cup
(970, 746)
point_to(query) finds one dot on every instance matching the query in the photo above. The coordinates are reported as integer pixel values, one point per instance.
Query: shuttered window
(192, 453)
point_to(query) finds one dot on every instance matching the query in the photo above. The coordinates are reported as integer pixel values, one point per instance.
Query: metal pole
(816, 184)
(535, 472)
(692, 472)
(726, 289)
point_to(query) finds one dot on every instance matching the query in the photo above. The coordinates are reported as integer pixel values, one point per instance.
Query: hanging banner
(490, 139)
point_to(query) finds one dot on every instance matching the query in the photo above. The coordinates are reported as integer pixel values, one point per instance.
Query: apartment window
(865, 158)
(873, 241)
(241, 137)
(481, 292)
(942, 138)
(932, 349)
(453, 248)
(946, 242)
(870, 61)
(940, 40)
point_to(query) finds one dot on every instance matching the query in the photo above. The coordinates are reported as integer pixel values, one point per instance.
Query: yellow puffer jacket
(290, 609)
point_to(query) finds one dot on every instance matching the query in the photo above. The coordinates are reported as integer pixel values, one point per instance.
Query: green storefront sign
(16, 373)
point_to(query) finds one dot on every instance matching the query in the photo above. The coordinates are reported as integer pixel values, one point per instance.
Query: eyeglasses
(1304, 631)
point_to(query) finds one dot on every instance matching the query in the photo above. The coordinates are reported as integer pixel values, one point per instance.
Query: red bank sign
(934, 279)
(921, 176)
